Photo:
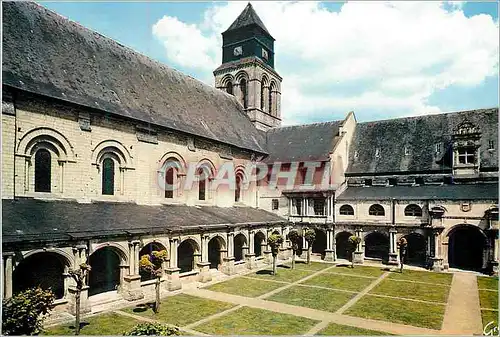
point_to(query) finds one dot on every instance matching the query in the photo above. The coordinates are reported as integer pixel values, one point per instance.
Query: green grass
(489, 316)
(343, 330)
(320, 299)
(488, 299)
(245, 287)
(250, 321)
(417, 291)
(358, 270)
(343, 282)
(105, 324)
(182, 309)
(484, 282)
(399, 311)
(313, 266)
(284, 274)
(422, 276)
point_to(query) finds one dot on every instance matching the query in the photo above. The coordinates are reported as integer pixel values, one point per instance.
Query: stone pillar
(203, 264)
(130, 287)
(173, 282)
(304, 244)
(393, 254)
(359, 253)
(250, 257)
(84, 300)
(436, 259)
(7, 274)
(330, 247)
(228, 261)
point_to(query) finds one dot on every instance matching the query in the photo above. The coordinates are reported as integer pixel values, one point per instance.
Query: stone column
(172, 273)
(304, 244)
(204, 265)
(437, 259)
(330, 251)
(393, 255)
(131, 286)
(250, 257)
(7, 274)
(228, 261)
(359, 253)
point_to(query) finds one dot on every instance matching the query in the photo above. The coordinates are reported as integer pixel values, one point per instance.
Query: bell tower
(247, 69)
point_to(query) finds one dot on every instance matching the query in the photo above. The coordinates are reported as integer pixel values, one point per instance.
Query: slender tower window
(108, 176)
(271, 88)
(202, 184)
(237, 191)
(262, 93)
(42, 171)
(229, 87)
(243, 86)
(169, 183)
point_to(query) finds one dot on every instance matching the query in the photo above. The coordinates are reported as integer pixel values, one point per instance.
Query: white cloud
(396, 55)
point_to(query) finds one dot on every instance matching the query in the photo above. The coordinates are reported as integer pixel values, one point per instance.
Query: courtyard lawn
(250, 321)
(417, 291)
(313, 266)
(314, 298)
(105, 324)
(422, 276)
(284, 273)
(488, 299)
(358, 270)
(181, 310)
(337, 281)
(344, 330)
(245, 286)
(484, 282)
(489, 316)
(399, 311)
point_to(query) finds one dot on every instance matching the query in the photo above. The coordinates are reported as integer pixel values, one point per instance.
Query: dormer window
(356, 154)
(377, 152)
(407, 151)
(467, 155)
(491, 145)
(437, 147)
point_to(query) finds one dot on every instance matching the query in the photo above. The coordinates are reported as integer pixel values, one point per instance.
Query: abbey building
(107, 155)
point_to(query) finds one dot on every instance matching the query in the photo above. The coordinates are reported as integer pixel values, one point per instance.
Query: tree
(153, 329)
(153, 263)
(23, 314)
(295, 239)
(353, 243)
(274, 241)
(79, 275)
(310, 236)
(402, 245)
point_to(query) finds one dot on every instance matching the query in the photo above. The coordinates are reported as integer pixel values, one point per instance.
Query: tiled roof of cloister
(487, 191)
(33, 220)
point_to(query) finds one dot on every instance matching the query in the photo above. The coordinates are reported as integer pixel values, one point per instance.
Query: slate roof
(302, 142)
(30, 219)
(47, 54)
(420, 134)
(431, 192)
(247, 17)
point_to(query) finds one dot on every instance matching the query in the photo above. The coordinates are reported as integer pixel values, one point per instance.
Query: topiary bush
(310, 236)
(295, 239)
(23, 313)
(153, 329)
(274, 241)
(353, 241)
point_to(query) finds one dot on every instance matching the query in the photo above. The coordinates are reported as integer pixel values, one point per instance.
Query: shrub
(153, 329)
(23, 313)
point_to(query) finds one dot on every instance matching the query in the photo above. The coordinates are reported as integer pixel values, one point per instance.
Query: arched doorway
(147, 250)
(466, 248)
(342, 245)
(415, 252)
(259, 240)
(239, 242)
(44, 270)
(215, 245)
(319, 244)
(377, 246)
(185, 253)
(105, 273)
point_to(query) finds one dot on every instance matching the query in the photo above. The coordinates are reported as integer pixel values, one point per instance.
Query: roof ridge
(308, 124)
(429, 115)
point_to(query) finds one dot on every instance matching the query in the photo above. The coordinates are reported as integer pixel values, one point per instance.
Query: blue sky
(380, 60)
